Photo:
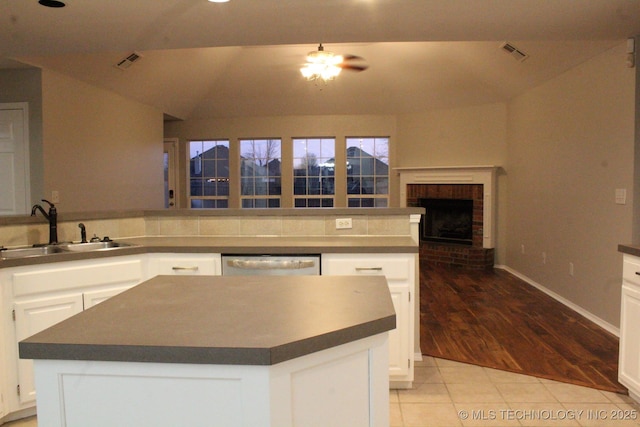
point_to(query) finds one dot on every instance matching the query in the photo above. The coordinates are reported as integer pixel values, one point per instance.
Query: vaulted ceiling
(242, 58)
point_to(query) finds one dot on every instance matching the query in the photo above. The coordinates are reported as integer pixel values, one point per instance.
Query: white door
(32, 317)
(170, 168)
(14, 159)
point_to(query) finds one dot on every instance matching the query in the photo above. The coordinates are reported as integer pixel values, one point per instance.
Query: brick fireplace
(468, 186)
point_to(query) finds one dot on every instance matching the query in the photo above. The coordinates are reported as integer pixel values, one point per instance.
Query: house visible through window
(209, 174)
(367, 172)
(313, 172)
(260, 174)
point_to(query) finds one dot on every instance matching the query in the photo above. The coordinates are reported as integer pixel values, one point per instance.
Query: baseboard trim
(595, 319)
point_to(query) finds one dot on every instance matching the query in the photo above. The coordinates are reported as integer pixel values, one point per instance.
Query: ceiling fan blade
(352, 67)
(349, 57)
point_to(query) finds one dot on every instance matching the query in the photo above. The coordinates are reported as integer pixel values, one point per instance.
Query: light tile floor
(452, 394)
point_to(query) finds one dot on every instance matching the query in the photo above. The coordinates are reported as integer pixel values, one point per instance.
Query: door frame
(171, 147)
(24, 106)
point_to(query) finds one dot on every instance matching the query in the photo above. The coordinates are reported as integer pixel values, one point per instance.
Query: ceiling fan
(325, 65)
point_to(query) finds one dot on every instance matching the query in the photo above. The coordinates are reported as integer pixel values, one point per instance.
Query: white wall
(570, 146)
(101, 150)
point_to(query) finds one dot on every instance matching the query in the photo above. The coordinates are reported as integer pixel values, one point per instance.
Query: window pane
(368, 171)
(382, 186)
(209, 173)
(260, 172)
(196, 187)
(313, 163)
(210, 188)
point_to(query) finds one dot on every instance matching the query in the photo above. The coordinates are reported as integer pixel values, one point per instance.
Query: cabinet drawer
(58, 277)
(631, 269)
(396, 267)
(189, 264)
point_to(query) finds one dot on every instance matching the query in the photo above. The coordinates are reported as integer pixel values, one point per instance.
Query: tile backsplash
(212, 225)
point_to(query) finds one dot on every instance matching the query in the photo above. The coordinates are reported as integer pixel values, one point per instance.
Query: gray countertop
(236, 245)
(242, 320)
(629, 249)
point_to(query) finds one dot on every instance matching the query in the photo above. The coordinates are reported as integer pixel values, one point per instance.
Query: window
(367, 172)
(260, 185)
(253, 177)
(313, 172)
(209, 174)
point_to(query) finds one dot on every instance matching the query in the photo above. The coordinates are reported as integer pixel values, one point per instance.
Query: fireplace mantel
(485, 175)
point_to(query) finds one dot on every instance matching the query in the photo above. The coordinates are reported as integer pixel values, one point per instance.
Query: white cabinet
(629, 356)
(33, 316)
(42, 295)
(91, 298)
(400, 272)
(189, 264)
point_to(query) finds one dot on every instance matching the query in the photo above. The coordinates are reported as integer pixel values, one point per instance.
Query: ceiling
(242, 58)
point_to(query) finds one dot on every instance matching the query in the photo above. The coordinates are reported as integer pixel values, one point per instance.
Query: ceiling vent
(515, 53)
(128, 61)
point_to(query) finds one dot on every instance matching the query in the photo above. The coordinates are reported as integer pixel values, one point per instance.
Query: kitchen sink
(36, 251)
(93, 246)
(30, 252)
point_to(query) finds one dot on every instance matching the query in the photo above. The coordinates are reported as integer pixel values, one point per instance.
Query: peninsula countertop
(235, 245)
(629, 249)
(253, 320)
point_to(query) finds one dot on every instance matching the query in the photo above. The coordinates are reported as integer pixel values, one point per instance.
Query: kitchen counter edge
(629, 249)
(233, 245)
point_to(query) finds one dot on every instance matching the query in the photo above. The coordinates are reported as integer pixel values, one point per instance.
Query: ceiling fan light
(321, 64)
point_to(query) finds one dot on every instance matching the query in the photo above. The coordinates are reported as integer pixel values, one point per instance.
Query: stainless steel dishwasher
(270, 265)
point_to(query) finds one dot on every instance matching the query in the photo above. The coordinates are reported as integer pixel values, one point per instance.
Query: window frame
(324, 199)
(379, 181)
(271, 198)
(213, 201)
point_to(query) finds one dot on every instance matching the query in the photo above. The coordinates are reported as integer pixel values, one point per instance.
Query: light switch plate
(621, 196)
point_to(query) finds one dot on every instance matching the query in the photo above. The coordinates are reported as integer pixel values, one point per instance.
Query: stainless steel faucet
(52, 217)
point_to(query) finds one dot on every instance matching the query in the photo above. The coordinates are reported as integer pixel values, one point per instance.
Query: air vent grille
(128, 61)
(515, 53)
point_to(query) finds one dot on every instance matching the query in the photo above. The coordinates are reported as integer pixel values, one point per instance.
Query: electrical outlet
(343, 223)
(570, 269)
(522, 249)
(544, 257)
(55, 196)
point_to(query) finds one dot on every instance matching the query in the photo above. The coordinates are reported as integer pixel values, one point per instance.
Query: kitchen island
(232, 351)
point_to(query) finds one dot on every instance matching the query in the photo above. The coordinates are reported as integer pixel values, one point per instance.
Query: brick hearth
(470, 257)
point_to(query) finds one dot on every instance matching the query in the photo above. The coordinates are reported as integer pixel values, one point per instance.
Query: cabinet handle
(194, 268)
(638, 273)
(368, 268)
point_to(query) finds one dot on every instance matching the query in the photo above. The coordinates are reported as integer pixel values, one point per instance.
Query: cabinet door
(399, 270)
(32, 317)
(629, 364)
(399, 348)
(185, 264)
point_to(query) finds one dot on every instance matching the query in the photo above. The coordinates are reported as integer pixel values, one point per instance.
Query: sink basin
(30, 252)
(92, 246)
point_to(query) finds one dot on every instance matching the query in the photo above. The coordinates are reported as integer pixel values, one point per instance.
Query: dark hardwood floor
(492, 318)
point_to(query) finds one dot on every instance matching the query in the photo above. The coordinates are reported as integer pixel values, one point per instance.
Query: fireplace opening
(447, 221)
